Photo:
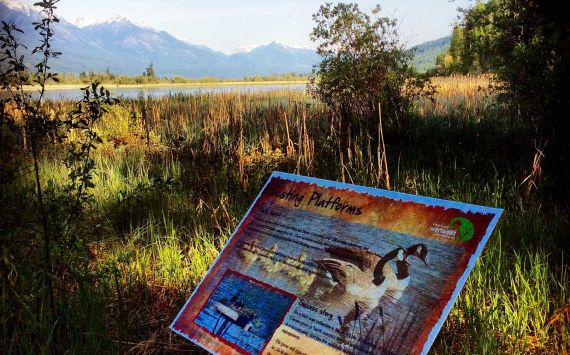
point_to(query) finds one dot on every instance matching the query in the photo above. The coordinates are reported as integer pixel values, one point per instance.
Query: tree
(362, 64)
(149, 71)
(364, 68)
(109, 75)
(527, 45)
(456, 59)
(470, 50)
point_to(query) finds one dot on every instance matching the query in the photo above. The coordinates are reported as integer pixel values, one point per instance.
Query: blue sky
(227, 25)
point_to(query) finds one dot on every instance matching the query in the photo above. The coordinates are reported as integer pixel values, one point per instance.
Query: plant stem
(47, 238)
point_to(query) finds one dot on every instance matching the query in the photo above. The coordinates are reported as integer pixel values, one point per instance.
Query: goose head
(420, 251)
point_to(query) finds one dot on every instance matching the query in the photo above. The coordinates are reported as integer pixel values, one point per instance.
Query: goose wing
(365, 260)
(345, 273)
(336, 270)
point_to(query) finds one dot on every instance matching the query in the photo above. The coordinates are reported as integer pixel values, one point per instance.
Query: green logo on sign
(466, 229)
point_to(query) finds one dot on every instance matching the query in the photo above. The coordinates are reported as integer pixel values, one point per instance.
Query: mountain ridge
(425, 54)
(127, 48)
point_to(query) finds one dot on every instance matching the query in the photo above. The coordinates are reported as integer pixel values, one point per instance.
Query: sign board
(321, 267)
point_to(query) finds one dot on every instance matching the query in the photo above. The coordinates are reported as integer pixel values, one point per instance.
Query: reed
(165, 203)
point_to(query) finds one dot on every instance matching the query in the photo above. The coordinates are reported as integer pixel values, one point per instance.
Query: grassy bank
(164, 204)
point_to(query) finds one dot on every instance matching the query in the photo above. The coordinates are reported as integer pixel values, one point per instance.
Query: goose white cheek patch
(321, 267)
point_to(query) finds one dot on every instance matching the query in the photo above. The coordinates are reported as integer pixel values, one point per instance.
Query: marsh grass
(163, 207)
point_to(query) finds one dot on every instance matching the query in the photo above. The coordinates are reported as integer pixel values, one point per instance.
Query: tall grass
(165, 204)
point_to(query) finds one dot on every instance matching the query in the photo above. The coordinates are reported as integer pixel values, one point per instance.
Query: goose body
(357, 279)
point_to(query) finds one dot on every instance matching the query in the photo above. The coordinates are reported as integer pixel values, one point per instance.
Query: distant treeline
(107, 77)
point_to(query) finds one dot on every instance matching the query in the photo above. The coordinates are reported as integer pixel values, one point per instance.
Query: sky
(231, 25)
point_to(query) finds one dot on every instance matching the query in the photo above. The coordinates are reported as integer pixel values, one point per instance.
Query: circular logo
(466, 229)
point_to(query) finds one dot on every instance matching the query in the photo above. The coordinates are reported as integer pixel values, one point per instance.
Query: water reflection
(159, 91)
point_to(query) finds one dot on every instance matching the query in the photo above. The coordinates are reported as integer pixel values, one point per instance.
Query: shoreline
(53, 87)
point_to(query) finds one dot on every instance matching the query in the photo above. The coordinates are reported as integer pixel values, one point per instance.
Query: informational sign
(321, 267)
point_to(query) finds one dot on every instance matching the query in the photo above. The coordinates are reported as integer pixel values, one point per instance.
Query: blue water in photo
(269, 306)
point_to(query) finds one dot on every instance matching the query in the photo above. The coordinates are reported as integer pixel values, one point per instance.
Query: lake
(159, 91)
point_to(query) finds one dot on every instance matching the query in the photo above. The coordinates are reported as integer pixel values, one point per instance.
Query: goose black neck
(402, 270)
(378, 274)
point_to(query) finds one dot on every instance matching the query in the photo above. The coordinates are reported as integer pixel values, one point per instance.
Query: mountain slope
(426, 53)
(68, 40)
(140, 46)
(127, 48)
(273, 57)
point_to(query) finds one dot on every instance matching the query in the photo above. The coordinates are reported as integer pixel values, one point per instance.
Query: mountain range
(124, 47)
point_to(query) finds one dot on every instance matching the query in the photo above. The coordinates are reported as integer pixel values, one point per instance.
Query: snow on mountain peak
(283, 45)
(115, 19)
(85, 21)
(243, 49)
(288, 45)
(297, 45)
(82, 22)
(18, 5)
(92, 21)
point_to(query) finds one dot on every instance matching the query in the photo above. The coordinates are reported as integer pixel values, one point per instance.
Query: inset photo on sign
(244, 312)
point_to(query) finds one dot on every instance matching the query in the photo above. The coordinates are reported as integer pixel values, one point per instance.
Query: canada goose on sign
(355, 276)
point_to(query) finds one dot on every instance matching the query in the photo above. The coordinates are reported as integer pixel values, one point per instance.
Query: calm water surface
(133, 92)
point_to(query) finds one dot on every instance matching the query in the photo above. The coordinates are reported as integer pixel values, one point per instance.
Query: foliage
(277, 77)
(60, 212)
(526, 45)
(79, 160)
(150, 218)
(363, 65)
(36, 123)
(452, 61)
(365, 78)
(149, 71)
(472, 41)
